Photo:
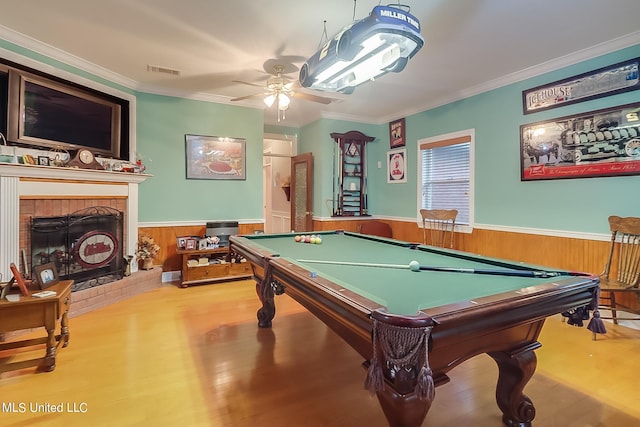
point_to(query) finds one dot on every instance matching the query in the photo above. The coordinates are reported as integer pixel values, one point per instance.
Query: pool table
(412, 327)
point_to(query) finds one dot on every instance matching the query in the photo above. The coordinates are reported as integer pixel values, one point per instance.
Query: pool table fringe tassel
(596, 324)
(402, 348)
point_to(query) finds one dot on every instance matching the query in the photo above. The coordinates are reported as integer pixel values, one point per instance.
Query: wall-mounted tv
(50, 114)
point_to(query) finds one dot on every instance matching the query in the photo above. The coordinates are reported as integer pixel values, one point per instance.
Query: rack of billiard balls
(308, 238)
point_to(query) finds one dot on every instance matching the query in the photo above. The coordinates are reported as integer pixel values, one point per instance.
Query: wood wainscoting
(551, 251)
(165, 237)
(557, 252)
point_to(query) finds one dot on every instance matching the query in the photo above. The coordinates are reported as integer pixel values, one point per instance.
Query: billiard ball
(414, 266)
(318, 240)
(297, 238)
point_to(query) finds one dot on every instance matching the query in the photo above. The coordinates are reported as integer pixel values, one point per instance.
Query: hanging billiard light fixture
(366, 49)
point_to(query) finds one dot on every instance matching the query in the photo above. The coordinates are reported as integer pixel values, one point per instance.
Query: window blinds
(446, 174)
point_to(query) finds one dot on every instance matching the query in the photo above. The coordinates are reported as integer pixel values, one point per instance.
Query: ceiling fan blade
(247, 97)
(313, 98)
(247, 83)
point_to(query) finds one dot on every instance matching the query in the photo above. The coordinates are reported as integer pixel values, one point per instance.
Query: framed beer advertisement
(593, 144)
(397, 133)
(616, 78)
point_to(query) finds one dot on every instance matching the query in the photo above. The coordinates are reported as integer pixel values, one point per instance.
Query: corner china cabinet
(350, 183)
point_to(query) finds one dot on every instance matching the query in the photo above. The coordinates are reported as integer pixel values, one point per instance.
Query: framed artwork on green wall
(617, 78)
(397, 166)
(214, 157)
(593, 144)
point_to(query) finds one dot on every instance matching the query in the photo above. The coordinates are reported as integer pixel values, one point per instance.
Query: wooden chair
(438, 226)
(621, 274)
(376, 228)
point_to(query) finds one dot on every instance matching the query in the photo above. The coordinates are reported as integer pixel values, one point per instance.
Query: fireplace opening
(85, 246)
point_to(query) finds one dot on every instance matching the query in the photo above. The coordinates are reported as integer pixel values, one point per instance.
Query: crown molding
(552, 65)
(49, 51)
(527, 73)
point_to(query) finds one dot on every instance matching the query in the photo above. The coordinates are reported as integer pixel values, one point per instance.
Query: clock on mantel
(84, 159)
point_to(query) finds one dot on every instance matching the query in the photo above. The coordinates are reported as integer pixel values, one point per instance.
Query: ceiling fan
(279, 90)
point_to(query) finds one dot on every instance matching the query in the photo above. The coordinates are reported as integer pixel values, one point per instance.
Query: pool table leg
(516, 367)
(402, 410)
(265, 292)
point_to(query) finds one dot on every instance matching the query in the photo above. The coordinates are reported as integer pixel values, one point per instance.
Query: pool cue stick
(341, 179)
(357, 264)
(365, 187)
(494, 272)
(333, 183)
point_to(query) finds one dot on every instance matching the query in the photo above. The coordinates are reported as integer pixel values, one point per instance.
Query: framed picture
(6, 287)
(181, 242)
(19, 280)
(28, 159)
(46, 275)
(397, 166)
(213, 157)
(593, 144)
(43, 160)
(616, 78)
(191, 243)
(397, 133)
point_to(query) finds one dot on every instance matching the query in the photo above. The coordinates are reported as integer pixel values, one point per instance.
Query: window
(446, 178)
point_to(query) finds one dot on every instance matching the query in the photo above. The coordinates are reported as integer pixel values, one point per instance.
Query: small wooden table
(220, 265)
(32, 312)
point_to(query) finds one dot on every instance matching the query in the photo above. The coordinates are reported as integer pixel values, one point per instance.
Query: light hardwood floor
(195, 357)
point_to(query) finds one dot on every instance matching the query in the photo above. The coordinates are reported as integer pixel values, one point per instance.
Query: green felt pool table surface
(393, 315)
(401, 291)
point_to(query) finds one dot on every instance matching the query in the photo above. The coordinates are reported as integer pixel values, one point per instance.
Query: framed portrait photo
(46, 275)
(191, 243)
(44, 161)
(181, 242)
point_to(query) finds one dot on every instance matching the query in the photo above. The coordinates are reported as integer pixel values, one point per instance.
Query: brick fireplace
(84, 245)
(27, 191)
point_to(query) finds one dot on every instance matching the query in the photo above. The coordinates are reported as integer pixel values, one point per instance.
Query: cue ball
(414, 266)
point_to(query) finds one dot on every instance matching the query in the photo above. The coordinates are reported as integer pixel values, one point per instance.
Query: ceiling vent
(163, 70)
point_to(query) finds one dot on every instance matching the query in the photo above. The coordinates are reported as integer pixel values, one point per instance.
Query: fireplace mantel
(47, 182)
(53, 173)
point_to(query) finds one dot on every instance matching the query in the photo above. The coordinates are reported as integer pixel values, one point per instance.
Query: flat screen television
(49, 114)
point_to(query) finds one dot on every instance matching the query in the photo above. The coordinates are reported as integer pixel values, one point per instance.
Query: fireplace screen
(85, 246)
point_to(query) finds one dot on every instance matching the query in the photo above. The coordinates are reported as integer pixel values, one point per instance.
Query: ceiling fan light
(269, 100)
(283, 101)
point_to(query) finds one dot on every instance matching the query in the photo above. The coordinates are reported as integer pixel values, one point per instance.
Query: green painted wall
(168, 196)
(501, 199)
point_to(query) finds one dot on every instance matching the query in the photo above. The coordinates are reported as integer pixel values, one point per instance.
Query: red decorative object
(19, 280)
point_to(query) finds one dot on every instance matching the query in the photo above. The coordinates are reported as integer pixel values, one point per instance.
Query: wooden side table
(31, 312)
(220, 265)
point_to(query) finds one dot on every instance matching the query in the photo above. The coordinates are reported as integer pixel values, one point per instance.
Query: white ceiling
(470, 45)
